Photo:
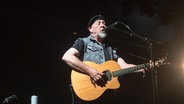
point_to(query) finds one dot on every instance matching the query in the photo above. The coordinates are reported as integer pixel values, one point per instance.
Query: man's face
(97, 27)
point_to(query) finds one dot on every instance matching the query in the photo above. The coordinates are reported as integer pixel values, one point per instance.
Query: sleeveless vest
(96, 52)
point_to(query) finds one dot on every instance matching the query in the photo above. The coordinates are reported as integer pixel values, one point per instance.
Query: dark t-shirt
(79, 45)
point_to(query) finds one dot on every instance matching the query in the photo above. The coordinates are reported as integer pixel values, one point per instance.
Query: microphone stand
(154, 72)
(154, 77)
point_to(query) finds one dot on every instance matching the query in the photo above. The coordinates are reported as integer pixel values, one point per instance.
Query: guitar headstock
(161, 61)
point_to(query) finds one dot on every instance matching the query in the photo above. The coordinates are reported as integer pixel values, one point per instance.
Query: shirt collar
(93, 39)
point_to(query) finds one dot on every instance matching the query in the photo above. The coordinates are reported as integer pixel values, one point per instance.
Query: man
(93, 48)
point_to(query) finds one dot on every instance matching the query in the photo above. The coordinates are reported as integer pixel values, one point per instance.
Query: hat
(94, 18)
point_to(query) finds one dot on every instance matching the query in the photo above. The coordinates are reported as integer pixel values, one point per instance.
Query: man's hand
(96, 78)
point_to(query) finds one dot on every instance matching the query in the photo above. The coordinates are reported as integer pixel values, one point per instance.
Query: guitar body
(85, 89)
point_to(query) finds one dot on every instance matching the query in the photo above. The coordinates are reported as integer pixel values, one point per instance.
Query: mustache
(102, 28)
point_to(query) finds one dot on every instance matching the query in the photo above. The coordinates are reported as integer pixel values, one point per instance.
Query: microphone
(114, 27)
(10, 98)
(111, 26)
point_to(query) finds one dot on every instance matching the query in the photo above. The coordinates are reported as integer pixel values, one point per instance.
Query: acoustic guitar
(87, 91)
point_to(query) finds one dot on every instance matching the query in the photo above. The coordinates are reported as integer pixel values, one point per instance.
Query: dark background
(35, 34)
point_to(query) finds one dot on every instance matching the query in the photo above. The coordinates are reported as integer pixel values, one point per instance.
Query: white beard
(102, 34)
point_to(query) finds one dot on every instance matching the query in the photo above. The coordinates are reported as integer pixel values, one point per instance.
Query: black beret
(94, 18)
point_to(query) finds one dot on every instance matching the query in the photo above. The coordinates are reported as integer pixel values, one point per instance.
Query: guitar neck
(129, 70)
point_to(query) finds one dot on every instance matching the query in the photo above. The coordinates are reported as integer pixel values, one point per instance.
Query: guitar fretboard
(129, 70)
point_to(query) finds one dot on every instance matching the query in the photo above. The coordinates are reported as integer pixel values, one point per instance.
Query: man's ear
(89, 28)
